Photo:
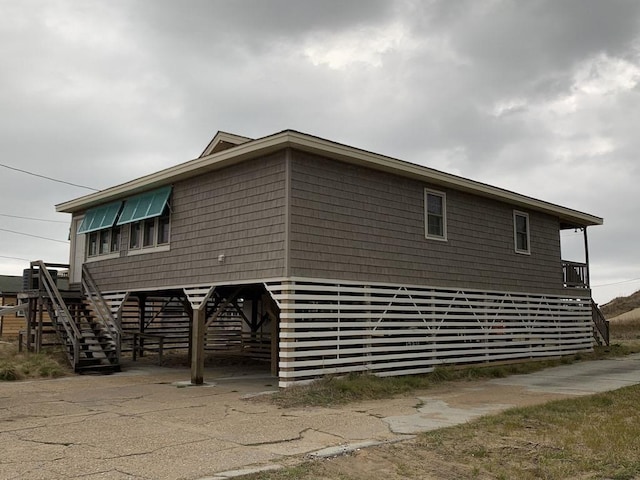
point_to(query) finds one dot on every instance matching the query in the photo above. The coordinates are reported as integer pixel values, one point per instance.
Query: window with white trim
(435, 211)
(150, 233)
(521, 232)
(148, 217)
(103, 242)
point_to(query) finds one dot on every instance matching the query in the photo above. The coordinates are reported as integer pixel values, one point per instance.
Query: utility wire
(15, 258)
(615, 283)
(35, 236)
(31, 218)
(47, 178)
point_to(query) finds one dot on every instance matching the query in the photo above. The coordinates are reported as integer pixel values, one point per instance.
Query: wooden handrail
(63, 314)
(103, 311)
(601, 323)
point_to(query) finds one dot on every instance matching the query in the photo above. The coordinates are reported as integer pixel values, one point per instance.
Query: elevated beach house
(322, 258)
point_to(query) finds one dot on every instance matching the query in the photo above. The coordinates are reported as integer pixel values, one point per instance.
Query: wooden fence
(339, 327)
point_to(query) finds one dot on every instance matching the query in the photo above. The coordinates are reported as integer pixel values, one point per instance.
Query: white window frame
(517, 213)
(155, 247)
(443, 196)
(101, 256)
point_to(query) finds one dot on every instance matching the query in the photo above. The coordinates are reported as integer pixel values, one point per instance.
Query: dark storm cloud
(540, 97)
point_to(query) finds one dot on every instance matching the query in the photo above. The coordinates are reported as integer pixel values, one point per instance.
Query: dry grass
(588, 437)
(355, 387)
(19, 366)
(620, 305)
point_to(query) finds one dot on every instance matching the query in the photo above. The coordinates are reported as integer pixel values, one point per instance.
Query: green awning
(147, 205)
(99, 218)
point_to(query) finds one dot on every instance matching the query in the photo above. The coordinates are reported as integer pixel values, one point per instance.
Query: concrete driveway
(145, 423)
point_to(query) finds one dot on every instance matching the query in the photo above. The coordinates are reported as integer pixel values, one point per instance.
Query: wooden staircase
(82, 322)
(600, 325)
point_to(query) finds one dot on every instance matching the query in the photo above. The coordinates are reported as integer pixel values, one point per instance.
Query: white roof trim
(301, 141)
(223, 137)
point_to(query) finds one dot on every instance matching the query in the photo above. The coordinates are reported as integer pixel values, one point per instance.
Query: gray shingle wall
(237, 211)
(349, 222)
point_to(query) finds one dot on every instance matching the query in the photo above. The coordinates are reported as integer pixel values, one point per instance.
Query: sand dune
(628, 316)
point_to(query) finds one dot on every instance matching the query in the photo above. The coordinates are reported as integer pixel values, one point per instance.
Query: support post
(142, 309)
(586, 257)
(197, 348)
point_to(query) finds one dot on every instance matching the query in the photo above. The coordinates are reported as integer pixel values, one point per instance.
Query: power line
(48, 178)
(35, 236)
(15, 258)
(31, 218)
(616, 283)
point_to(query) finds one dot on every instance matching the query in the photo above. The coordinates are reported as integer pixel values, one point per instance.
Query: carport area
(200, 323)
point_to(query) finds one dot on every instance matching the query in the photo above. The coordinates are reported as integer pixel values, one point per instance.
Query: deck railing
(574, 274)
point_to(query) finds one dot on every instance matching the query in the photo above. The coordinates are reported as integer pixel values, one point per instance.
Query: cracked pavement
(145, 423)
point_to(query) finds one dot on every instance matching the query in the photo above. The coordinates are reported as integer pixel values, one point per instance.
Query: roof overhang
(308, 143)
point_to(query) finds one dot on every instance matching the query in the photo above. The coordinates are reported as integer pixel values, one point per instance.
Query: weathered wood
(338, 327)
(197, 347)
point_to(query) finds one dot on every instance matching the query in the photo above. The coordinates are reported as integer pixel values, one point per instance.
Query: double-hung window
(148, 218)
(521, 232)
(435, 206)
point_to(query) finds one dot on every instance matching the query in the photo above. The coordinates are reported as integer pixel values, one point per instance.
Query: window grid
(435, 215)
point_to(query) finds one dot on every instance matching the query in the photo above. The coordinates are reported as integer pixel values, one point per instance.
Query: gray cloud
(539, 97)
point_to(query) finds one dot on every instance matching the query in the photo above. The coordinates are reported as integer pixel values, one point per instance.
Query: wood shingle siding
(236, 211)
(354, 223)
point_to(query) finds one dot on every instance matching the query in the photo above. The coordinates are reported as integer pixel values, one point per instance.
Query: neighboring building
(329, 259)
(10, 323)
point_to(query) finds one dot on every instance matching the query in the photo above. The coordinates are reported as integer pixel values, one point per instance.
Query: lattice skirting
(335, 327)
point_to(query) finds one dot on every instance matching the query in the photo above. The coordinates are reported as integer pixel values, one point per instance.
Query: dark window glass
(115, 239)
(435, 215)
(149, 232)
(134, 235)
(163, 229)
(104, 242)
(93, 244)
(522, 233)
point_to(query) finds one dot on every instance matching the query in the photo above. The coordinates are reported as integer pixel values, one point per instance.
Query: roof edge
(312, 144)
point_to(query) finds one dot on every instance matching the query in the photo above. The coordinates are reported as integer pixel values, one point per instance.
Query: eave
(308, 143)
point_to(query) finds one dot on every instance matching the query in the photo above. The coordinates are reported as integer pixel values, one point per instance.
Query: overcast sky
(539, 97)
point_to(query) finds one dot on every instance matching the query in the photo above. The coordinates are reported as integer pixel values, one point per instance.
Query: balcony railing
(574, 274)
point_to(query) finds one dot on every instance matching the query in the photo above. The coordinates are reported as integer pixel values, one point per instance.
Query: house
(324, 258)
(11, 322)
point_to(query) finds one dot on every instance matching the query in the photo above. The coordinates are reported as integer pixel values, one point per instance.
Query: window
(521, 232)
(103, 242)
(134, 235)
(149, 225)
(92, 244)
(150, 233)
(163, 229)
(435, 214)
(115, 239)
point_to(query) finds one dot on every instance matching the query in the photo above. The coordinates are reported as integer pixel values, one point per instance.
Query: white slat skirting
(331, 327)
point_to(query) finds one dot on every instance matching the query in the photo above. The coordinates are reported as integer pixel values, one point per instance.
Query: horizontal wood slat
(339, 327)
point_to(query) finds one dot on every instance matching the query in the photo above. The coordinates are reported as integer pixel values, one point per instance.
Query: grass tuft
(16, 365)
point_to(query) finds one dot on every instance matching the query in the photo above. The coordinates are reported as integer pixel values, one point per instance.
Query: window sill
(106, 256)
(144, 250)
(438, 239)
(523, 252)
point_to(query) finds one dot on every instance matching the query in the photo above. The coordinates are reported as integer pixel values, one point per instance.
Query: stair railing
(601, 324)
(100, 307)
(62, 314)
